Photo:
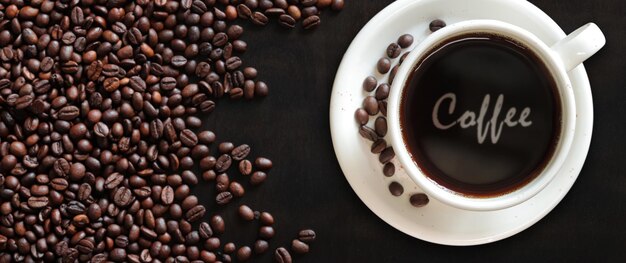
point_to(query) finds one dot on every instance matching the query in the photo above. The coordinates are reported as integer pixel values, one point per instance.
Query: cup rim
(568, 113)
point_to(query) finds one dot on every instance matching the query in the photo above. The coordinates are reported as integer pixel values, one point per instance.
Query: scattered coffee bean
(436, 25)
(299, 247)
(246, 213)
(383, 66)
(396, 189)
(389, 169)
(361, 116)
(419, 200)
(306, 235)
(378, 146)
(282, 255)
(380, 126)
(405, 40)
(370, 104)
(386, 155)
(393, 50)
(368, 133)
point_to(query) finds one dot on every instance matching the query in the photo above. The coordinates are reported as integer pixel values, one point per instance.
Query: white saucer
(439, 223)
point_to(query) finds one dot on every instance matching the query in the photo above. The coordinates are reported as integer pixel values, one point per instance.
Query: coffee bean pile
(100, 131)
(375, 107)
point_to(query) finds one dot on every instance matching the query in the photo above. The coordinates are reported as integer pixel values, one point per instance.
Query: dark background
(306, 188)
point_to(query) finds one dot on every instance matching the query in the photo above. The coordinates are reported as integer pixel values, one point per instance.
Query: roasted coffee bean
(436, 25)
(382, 92)
(188, 138)
(369, 84)
(419, 200)
(299, 247)
(287, 21)
(167, 195)
(282, 255)
(393, 50)
(266, 218)
(311, 22)
(361, 116)
(370, 104)
(217, 224)
(380, 126)
(383, 66)
(378, 146)
(245, 167)
(263, 163)
(224, 198)
(389, 169)
(223, 163)
(205, 230)
(306, 235)
(386, 155)
(113, 180)
(240, 152)
(259, 18)
(368, 133)
(266, 232)
(246, 213)
(195, 213)
(405, 41)
(38, 202)
(396, 189)
(244, 253)
(122, 197)
(68, 113)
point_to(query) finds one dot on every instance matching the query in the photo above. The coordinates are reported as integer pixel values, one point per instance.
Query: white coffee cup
(559, 58)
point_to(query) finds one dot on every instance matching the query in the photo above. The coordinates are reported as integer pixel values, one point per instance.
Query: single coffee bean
(306, 235)
(282, 255)
(382, 92)
(188, 138)
(299, 247)
(244, 253)
(240, 152)
(167, 195)
(259, 18)
(436, 25)
(246, 213)
(386, 155)
(370, 104)
(266, 218)
(258, 177)
(393, 50)
(383, 66)
(260, 246)
(405, 41)
(266, 232)
(287, 21)
(380, 126)
(361, 116)
(223, 163)
(311, 22)
(369, 84)
(378, 146)
(389, 169)
(368, 133)
(419, 200)
(396, 189)
(217, 224)
(195, 213)
(205, 230)
(263, 163)
(224, 198)
(245, 167)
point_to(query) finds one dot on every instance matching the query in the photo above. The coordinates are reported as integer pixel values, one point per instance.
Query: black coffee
(481, 115)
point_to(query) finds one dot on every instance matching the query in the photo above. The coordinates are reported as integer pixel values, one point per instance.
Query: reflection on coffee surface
(480, 115)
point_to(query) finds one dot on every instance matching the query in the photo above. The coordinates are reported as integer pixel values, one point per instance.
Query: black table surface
(307, 189)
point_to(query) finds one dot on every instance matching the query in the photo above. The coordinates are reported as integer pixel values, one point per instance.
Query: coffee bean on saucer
(436, 25)
(393, 50)
(361, 116)
(370, 104)
(386, 155)
(396, 189)
(392, 73)
(380, 126)
(368, 133)
(405, 40)
(378, 146)
(382, 106)
(419, 200)
(382, 92)
(369, 84)
(384, 65)
(389, 169)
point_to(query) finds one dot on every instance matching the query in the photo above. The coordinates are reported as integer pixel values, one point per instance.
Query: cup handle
(579, 45)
